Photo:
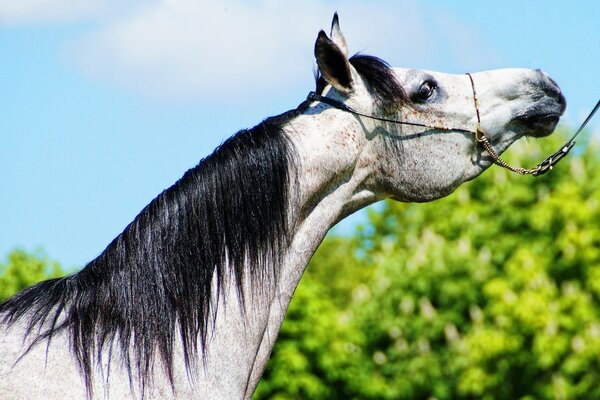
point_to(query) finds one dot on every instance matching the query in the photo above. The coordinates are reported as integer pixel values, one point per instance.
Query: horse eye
(425, 91)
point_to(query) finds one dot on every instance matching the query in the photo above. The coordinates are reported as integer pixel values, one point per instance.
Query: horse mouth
(540, 119)
(539, 125)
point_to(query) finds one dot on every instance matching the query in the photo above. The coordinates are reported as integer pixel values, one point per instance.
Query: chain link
(482, 138)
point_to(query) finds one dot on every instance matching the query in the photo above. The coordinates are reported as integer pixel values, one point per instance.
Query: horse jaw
(423, 164)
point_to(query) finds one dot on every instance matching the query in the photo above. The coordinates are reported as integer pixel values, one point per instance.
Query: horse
(188, 300)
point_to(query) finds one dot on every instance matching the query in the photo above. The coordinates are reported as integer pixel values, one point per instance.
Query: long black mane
(153, 284)
(154, 280)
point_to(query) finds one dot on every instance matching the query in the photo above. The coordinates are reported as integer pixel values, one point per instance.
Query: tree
(493, 292)
(23, 269)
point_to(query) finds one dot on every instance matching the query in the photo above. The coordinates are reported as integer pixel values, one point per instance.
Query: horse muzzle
(542, 117)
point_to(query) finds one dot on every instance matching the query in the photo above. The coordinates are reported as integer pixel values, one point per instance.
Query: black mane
(153, 282)
(385, 88)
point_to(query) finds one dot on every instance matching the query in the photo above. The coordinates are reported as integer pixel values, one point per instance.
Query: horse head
(431, 149)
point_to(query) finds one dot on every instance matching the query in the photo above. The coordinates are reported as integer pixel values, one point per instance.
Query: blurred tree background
(22, 269)
(491, 293)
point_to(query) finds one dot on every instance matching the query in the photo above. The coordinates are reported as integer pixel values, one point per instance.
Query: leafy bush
(492, 292)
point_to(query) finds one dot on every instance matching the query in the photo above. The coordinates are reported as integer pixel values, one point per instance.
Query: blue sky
(102, 106)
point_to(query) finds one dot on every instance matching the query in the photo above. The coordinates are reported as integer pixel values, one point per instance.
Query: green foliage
(23, 269)
(492, 293)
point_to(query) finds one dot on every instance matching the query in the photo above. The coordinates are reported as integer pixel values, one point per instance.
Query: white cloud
(186, 47)
(60, 12)
(18, 12)
(191, 48)
(209, 49)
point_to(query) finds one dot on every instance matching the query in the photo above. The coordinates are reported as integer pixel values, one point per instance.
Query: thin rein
(546, 165)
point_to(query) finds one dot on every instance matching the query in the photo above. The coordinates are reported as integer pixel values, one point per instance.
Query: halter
(546, 165)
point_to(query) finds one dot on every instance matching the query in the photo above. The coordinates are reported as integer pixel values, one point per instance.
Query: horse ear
(337, 36)
(333, 64)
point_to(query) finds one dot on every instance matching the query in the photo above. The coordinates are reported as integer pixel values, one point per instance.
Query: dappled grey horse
(187, 302)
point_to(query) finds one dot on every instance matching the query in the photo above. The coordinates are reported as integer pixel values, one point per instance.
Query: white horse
(187, 302)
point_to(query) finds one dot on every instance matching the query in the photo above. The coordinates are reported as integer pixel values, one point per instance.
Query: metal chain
(499, 161)
(482, 138)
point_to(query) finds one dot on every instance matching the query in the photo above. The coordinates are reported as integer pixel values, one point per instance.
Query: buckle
(553, 159)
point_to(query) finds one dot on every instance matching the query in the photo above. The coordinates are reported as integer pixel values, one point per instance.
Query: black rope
(312, 96)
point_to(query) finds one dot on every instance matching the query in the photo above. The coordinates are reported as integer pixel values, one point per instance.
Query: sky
(104, 104)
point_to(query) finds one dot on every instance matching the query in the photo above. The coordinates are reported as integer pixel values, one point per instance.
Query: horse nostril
(551, 88)
(553, 82)
(563, 102)
(547, 82)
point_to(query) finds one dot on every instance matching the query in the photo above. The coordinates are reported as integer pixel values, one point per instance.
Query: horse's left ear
(333, 63)
(337, 36)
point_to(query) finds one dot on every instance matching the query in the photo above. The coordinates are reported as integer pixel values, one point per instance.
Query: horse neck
(333, 169)
(328, 188)
(241, 331)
